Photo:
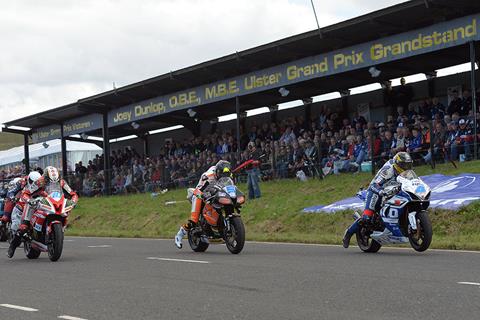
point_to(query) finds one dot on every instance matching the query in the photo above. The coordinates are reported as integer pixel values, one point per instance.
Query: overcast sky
(54, 52)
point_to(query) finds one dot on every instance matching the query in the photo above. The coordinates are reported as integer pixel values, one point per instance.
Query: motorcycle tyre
(55, 247)
(30, 252)
(372, 247)
(196, 247)
(237, 224)
(426, 225)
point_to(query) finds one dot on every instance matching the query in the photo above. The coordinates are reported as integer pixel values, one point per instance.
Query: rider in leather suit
(221, 169)
(35, 188)
(390, 170)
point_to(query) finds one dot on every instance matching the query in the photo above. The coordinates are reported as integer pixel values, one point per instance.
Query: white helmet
(13, 183)
(51, 174)
(33, 177)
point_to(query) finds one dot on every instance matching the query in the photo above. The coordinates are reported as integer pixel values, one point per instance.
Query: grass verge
(277, 216)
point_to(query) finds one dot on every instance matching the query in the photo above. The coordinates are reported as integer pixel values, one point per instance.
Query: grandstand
(409, 38)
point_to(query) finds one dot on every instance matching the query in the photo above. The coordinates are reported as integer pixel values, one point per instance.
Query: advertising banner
(436, 37)
(448, 192)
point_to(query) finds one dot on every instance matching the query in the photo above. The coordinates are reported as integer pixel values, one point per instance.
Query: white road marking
(12, 306)
(285, 243)
(101, 246)
(70, 318)
(470, 283)
(177, 260)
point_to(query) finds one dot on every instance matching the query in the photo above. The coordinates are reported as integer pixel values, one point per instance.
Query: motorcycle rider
(389, 172)
(221, 169)
(35, 188)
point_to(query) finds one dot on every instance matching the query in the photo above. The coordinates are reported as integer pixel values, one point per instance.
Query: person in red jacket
(36, 187)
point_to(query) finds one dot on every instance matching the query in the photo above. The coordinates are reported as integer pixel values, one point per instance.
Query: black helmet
(402, 161)
(223, 169)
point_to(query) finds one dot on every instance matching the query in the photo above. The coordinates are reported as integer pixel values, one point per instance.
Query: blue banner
(448, 192)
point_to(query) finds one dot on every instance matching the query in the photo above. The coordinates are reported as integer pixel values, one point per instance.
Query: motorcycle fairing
(390, 214)
(210, 214)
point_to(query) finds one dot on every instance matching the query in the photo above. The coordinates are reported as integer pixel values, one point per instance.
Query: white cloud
(55, 52)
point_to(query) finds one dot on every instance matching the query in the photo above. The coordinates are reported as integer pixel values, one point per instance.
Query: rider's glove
(71, 203)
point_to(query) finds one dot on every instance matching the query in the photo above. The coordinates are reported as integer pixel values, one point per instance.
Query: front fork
(413, 226)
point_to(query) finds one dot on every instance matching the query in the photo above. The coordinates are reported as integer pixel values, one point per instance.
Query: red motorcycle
(48, 224)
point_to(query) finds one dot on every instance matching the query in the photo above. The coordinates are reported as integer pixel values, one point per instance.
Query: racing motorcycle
(220, 219)
(403, 216)
(48, 223)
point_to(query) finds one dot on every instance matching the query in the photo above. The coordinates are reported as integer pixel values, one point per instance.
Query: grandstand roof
(393, 20)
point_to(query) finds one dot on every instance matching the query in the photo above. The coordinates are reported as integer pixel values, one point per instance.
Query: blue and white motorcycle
(403, 216)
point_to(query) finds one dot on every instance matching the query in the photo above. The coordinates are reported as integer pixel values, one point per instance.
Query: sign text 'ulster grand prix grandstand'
(428, 39)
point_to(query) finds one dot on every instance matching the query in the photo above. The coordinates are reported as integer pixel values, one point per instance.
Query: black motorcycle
(220, 219)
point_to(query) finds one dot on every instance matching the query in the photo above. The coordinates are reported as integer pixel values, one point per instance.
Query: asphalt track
(106, 278)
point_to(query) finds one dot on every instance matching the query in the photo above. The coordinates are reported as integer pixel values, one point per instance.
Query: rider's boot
(182, 232)
(16, 241)
(346, 238)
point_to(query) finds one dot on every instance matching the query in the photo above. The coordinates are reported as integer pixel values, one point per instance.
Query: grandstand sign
(74, 126)
(432, 38)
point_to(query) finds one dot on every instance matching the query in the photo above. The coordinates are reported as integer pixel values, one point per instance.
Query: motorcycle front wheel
(235, 239)
(55, 245)
(365, 243)
(195, 241)
(422, 238)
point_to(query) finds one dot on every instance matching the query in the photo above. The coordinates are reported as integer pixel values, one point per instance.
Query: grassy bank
(276, 216)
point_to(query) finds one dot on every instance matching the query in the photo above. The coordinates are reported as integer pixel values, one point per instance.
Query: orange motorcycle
(220, 219)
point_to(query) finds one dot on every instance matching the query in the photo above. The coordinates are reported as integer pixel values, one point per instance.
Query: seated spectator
(415, 144)
(288, 136)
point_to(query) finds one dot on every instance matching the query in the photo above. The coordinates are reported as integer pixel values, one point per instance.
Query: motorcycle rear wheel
(423, 242)
(236, 241)
(196, 242)
(30, 252)
(365, 243)
(55, 246)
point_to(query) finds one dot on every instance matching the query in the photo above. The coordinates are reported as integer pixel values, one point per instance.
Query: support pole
(432, 137)
(106, 156)
(474, 97)
(64, 152)
(146, 147)
(26, 153)
(372, 147)
(237, 107)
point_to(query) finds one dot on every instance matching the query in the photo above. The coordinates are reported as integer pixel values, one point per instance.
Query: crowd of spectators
(328, 143)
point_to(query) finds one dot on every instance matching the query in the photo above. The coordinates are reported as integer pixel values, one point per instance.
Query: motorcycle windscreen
(54, 190)
(210, 214)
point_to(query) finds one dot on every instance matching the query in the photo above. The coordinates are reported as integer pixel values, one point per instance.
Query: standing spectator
(465, 104)
(403, 94)
(253, 172)
(455, 103)
(437, 108)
